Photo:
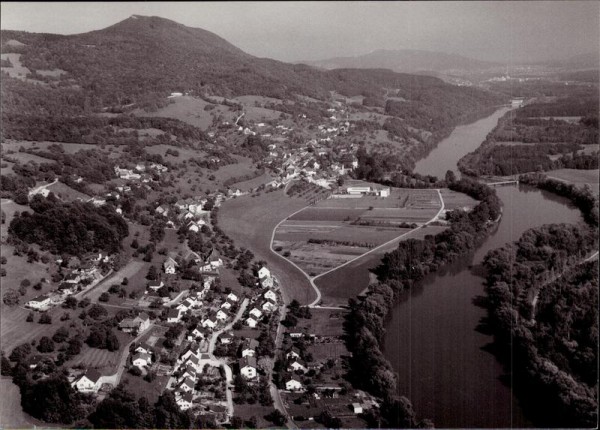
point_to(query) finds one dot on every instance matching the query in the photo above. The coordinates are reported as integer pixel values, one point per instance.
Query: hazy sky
(290, 31)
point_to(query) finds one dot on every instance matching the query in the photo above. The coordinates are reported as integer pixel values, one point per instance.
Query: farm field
(70, 148)
(184, 153)
(250, 221)
(24, 158)
(335, 231)
(456, 200)
(577, 177)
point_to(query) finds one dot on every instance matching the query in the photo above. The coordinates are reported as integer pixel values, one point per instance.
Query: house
(293, 353)
(187, 385)
(161, 210)
(190, 372)
(249, 348)
(268, 306)
(296, 366)
(73, 278)
(357, 408)
(226, 305)
(198, 333)
(170, 266)
(141, 359)
(139, 323)
(222, 315)
(294, 384)
(264, 273)
(156, 285)
(210, 322)
(67, 289)
(383, 192)
(144, 348)
(358, 190)
(174, 316)
(270, 295)
(248, 367)
(227, 338)
(36, 360)
(39, 303)
(190, 352)
(251, 322)
(89, 382)
(256, 313)
(266, 282)
(182, 307)
(185, 401)
(194, 362)
(232, 297)
(215, 262)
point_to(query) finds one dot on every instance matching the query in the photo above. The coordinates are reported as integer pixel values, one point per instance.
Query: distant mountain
(141, 60)
(407, 61)
(591, 60)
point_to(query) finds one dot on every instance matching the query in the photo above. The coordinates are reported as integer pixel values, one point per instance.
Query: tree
(152, 274)
(20, 352)
(104, 297)
(11, 297)
(450, 177)
(45, 318)
(70, 303)
(276, 417)
(61, 335)
(52, 400)
(45, 344)
(29, 317)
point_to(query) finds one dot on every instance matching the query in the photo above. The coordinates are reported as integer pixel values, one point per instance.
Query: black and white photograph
(299, 215)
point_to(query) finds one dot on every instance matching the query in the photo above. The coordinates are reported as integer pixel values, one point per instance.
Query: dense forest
(525, 141)
(69, 228)
(545, 307)
(397, 272)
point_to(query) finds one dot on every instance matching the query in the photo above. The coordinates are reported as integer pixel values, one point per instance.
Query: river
(432, 339)
(462, 140)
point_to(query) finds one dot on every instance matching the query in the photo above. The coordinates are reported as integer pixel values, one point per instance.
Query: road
(311, 280)
(115, 378)
(217, 362)
(41, 187)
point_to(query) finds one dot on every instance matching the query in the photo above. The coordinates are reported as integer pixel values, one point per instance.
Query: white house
(226, 305)
(187, 385)
(227, 338)
(256, 313)
(249, 348)
(187, 354)
(194, 362)
(268, 306)
(264, 272)
(294, 384)
(185, 401)
(143, 348)
(296, 366)
(357, 190)
(141, 359)
(357, 408)
(222, 315)
(170, 266)
(156, 285)
(210, 322)
(232, 297)
(248, 367)
(190, 372)
(293, 353)
(266, 282)
(270, 295)
(39, 303)
(90, 382)
(251, 322)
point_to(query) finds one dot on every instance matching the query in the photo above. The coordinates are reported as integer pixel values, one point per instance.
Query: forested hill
(142, 58)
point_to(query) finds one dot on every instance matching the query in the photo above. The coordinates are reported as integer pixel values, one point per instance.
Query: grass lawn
(250, 221)
(456, 200)
(253, 183)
